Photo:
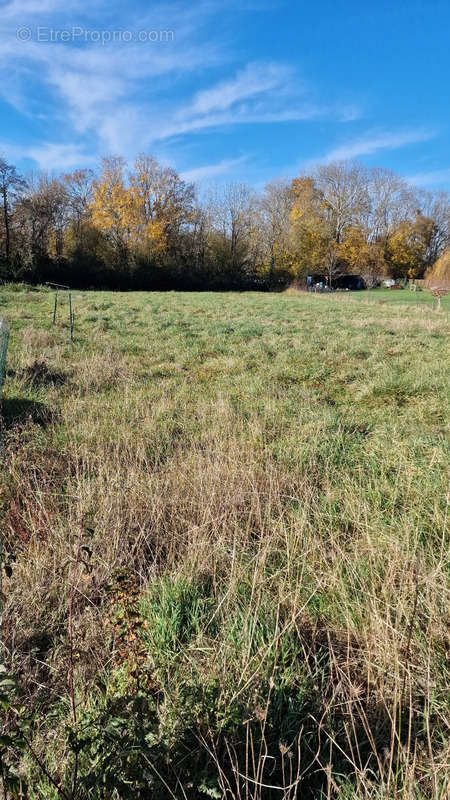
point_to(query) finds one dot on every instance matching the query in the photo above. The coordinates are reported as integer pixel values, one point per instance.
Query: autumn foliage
(143, 226)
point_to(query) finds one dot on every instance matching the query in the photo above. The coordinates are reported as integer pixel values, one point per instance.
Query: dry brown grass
(325, 524)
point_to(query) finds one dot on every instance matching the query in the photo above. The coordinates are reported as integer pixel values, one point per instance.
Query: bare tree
(436, 206)
(11, 184)
(43, 214)
(343, 187)
(232, 214)
(391, 202)
(274, 208)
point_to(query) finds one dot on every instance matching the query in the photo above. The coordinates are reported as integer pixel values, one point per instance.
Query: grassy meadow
(225, 516)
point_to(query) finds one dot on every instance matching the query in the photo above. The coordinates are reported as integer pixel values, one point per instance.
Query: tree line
(144, 227)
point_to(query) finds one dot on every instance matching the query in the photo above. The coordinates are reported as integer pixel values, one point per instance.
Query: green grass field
(420, 298)
(260, 483)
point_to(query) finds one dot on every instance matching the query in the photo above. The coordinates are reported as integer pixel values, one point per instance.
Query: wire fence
(4, 339)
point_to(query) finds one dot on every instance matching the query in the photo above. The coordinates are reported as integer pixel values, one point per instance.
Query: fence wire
(4, 339)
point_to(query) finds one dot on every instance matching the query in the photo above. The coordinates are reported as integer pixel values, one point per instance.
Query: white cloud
(49, 155)
(23, 9)
(259, 94)
(212, 170)
(52, 155)
(372, 142)
(435, 177)
(254, 79)
(115, 98)
(110, 94)
(183, 122)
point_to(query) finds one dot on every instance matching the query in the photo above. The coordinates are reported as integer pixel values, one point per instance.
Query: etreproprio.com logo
(103, 37)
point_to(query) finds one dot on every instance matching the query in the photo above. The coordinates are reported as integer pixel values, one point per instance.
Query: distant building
(351, 283)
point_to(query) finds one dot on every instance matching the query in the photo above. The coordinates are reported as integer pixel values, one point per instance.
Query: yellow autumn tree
(161, 203)
(112, 209)
(440, 271)
(437, 278)
(361, 256)
(408, 245)
(310, 229)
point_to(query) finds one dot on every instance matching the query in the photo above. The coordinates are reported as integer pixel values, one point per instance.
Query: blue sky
(234, 91)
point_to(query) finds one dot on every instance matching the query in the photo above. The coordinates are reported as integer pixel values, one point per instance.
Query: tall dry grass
(291, 566)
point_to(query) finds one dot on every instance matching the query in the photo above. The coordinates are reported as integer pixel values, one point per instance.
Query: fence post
(71, 316)
(4, 339)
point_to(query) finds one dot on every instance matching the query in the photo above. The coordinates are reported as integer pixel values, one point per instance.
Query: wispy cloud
(49, 155)
(373, 142)
(437, 177)
(23, 9)
(209, 171)
(262, 93)
(254, 79)
(127, 97)
(113, 94)
(116, 96)
(90, 88)
(52, 155)
(183, 122)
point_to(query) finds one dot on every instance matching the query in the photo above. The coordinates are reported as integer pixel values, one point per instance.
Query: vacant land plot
(228, 514)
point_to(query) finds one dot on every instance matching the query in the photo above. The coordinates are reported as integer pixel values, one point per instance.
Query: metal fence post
(71, 316)
(4, 339)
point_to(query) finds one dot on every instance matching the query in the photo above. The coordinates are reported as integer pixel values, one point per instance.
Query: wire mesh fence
(4, 339)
